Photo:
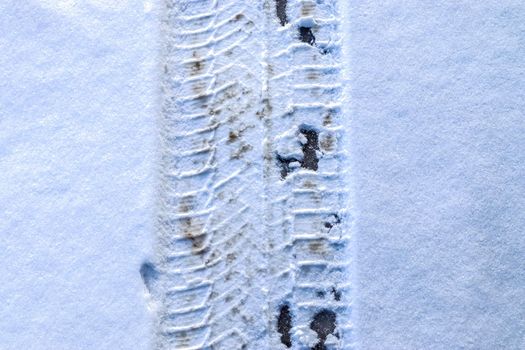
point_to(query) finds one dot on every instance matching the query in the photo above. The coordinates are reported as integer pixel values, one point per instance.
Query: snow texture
(77, 135)
(253, 224)
(437, 162)
(439, 155)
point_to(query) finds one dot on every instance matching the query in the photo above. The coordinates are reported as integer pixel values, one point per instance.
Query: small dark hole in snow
(336, 293)
(310, 148)
(284, 325)
(280, 7)
(306, 35)
(323, 323)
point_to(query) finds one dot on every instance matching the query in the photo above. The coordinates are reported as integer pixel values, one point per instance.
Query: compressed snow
(77, 135)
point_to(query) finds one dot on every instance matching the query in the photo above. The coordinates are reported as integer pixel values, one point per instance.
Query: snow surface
(438, 161)
(77, 135)
(438, 127)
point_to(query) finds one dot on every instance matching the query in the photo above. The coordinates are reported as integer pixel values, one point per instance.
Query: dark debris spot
(306, 35)
(232, 137)
(280, 7)
(334, 220)
(284, 163)
(323, 323)
(336, 293)
(284, 325)
(310, 148)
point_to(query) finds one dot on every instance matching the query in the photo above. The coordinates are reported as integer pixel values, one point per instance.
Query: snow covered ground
(436, 128)
(77, 135)
(438, 101)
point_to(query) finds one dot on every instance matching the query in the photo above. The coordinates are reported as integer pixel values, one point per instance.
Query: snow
(439, 163)
(77, 135)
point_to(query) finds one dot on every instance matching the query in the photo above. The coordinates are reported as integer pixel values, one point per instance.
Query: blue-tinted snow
(438, 128)
(439, 164)
(77, 138)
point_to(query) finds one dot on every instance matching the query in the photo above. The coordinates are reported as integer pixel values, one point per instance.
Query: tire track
(308, 130)
(206, 253)
(252, 226)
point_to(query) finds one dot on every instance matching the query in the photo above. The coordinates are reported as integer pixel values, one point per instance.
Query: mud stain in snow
(327, 120)
(308, 9)
(232, 136)
(192, 230)
(328, 143)
(197, 66)
(242, 150)
(192, 227)
(317, 246)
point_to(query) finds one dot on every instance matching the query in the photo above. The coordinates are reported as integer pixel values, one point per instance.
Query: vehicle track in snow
(252, 225)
